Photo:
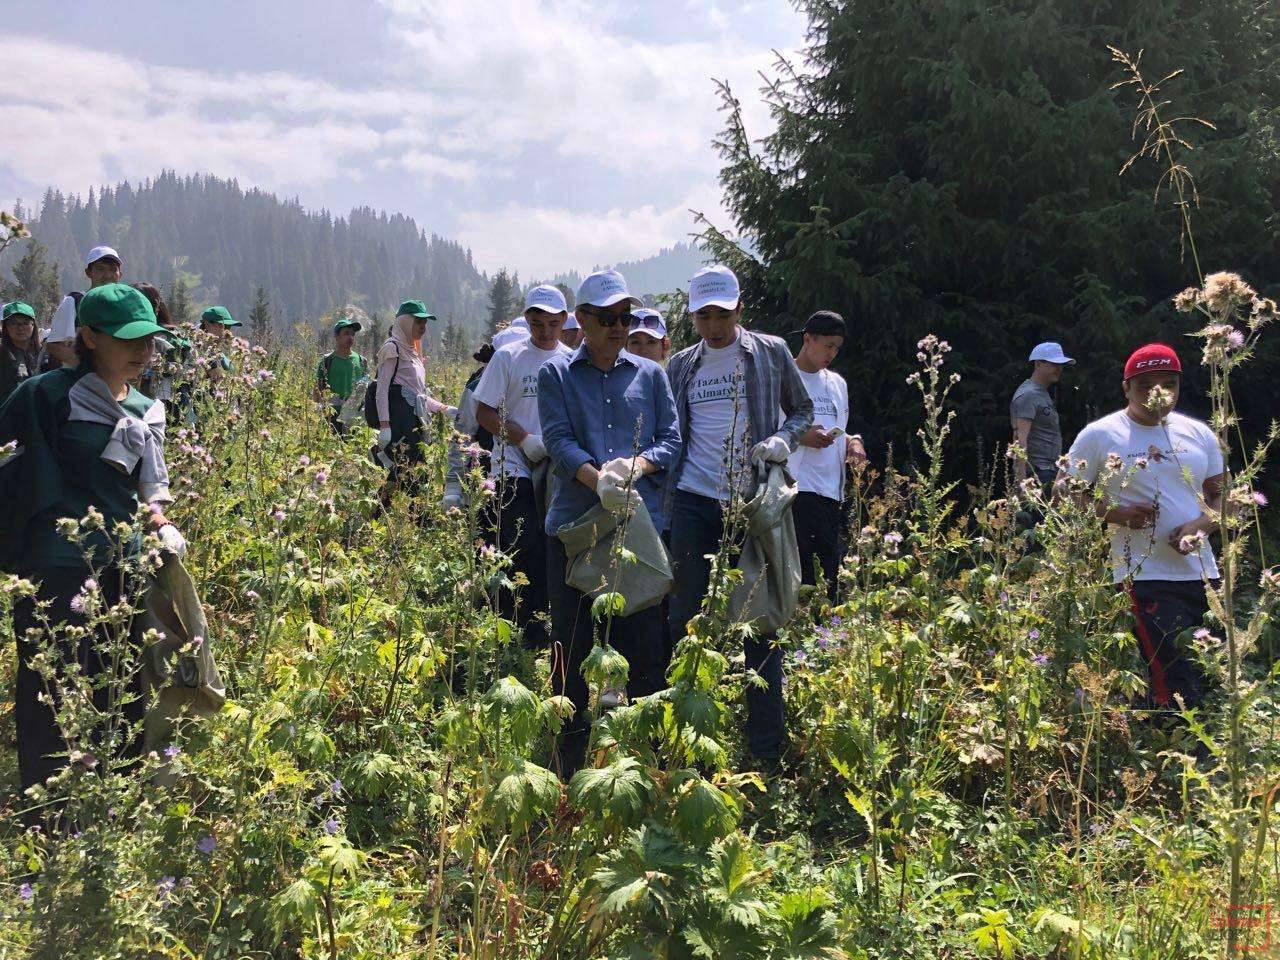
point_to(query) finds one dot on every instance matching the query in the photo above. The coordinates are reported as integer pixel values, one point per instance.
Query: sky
(546, 135)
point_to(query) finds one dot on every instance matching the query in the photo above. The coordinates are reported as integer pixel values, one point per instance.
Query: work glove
(534, 449)
(772, 450)
(614, 496)
(452, 496)
(171, 541)
(451, 413)
(624, 469)
(384, 438)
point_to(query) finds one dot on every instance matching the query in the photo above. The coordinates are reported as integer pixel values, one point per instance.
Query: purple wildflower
(331, 826)
(172, 750)
(1034, 634)
(1040, 659)
(336, 787)
(26, 892)
(206, 844)
(1202, 633)
(166, 886)
(1259, 498)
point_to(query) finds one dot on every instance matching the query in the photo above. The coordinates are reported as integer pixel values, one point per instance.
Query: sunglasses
(609, 320)
(645, 323)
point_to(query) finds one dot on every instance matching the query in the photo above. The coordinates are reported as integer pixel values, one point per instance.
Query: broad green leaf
(619, 792)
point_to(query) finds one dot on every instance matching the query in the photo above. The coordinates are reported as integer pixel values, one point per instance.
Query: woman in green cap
(81, 443)
(400, 393)
(19, 347)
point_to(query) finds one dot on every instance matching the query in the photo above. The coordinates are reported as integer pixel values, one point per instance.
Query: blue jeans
(697, 527)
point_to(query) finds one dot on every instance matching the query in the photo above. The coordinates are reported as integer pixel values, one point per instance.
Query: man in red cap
(1161, 475)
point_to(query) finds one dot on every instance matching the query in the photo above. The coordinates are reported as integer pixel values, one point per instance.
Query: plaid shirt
(775, 393)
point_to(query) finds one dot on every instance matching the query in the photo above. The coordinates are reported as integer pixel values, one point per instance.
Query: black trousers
(638, 637)
(1164, 610)
(514, 526)
(819, 524)
(697, 527)
(42, 751)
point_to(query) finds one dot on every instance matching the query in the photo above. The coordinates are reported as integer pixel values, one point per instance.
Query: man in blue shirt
(609, 426)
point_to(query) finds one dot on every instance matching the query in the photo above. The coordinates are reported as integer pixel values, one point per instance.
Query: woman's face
(64, 351)
(119, 359)
(19, 330)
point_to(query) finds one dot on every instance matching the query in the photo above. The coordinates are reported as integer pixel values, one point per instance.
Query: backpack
(371, 396)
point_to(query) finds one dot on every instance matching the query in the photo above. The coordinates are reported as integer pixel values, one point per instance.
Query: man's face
(599, 337)
(1137, 390)
(717, 326)
(571, 338)
(346, 338)
(104, 271)
(821, 350)
(1049, 371)
(643, 345)
(544, 328)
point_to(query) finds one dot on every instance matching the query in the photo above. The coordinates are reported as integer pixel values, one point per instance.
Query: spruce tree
(260, 315)
(954, 168)
(179, 302)
(502, 301)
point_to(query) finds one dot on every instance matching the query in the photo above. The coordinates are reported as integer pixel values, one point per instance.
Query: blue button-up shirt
(590, 415)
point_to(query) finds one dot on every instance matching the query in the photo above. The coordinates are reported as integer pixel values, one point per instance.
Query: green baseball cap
(219, 315)
(415, 308)
(18, 307)
(118, 310)
(346, 323)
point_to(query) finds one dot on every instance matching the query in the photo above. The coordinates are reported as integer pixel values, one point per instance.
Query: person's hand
(615, 496)
(772, 450)
(816, 438)
(535, 451)
(625, 469)
(1136, 516)
(384, 438)
(171, 541)
(854, 450)
(1186, 538)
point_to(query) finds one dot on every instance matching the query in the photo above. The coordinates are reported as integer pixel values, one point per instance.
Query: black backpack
(371, 395)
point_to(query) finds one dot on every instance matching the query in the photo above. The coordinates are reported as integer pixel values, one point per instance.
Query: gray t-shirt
(1032, 402)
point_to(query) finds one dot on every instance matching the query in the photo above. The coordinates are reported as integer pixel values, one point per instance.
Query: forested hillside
(224, 242)
(667, 270)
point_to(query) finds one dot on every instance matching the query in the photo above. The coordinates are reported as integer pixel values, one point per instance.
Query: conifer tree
(260, 315)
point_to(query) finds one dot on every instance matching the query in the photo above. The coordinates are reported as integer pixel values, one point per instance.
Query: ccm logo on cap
(1153, 362)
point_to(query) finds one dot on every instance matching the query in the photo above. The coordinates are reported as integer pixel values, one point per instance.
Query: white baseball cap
(605, 288)
(63, 327)
(545, 297)
(714, 287)
(571, 323)
(506, 335)
(649, 322)
(102, 253)
(520, 323)
(1050, 351)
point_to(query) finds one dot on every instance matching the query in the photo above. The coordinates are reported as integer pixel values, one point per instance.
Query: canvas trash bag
(588, 546)
(770, 560)
(186, 677)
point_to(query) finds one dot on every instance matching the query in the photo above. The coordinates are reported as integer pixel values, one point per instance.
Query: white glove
(624, 469)
(614, 496)
(452, 496)
(384, 438)
(774, 450)
(534, 449)
(171, 541)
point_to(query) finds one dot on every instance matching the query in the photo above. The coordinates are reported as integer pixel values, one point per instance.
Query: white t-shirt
(1154, 460)
(822, 471)
(510, 385)
(718, 387)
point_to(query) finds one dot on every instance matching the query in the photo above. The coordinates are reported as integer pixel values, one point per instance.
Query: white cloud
(501, 123)
(544, 241)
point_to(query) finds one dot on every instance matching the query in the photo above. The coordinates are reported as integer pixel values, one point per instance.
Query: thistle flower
(1187, 300)
(1225, 291)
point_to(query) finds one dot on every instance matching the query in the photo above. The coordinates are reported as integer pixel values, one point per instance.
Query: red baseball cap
(1152, 358)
